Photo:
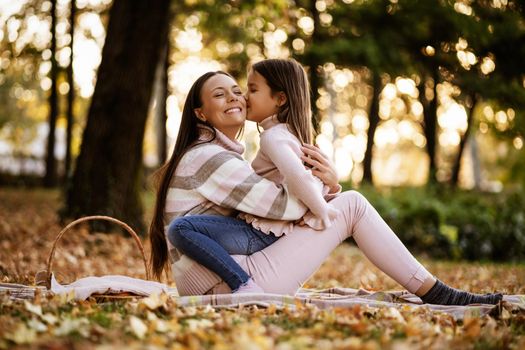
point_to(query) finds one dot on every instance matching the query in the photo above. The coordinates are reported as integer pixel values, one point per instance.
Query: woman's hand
(321, 166)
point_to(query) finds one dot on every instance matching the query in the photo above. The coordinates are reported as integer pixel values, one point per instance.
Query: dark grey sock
(441, 294)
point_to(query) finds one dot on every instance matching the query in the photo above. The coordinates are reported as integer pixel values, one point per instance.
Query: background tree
(23, 101)
(50, 177)
(362, 35)
(160, 92)
(108, 174)
(430, 41)
(71, 93)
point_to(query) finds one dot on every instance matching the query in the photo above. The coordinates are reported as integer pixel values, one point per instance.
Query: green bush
(450, 223)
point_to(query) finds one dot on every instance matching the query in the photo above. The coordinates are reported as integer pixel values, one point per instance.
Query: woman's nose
(233, 97)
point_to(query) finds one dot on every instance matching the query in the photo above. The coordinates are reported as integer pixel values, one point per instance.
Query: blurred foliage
(233, 31)
(393, 38)
(447, 223)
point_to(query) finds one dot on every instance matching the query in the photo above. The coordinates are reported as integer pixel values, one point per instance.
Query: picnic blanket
(323, 299)
(347, 297)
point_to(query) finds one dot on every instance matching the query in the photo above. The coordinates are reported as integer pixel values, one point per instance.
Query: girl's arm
(229, 181)
(285, 151)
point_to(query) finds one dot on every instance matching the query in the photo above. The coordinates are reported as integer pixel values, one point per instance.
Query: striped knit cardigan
(213, 178)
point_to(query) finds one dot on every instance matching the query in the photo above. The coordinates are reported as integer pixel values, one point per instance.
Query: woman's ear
(199, 115)
(281, 98)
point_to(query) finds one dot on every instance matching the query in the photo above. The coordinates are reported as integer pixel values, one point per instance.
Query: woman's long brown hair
(288, 76)
(188, 136)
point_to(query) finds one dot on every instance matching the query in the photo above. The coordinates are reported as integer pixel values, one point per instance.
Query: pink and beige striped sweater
(213, 178)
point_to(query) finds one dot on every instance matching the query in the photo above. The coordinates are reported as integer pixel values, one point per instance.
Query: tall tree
(496, 35)
(363, 35)
(161, 94)
(50, 177)
(71, 93)
(430, 41)
(373, 118)
(429, 102)
(456, 167)
(108, 173)
(316, 80)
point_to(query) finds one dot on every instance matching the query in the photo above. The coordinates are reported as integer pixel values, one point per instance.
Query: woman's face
(223, 105)
(261, 102)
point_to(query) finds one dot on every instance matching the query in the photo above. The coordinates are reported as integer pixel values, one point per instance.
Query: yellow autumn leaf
(71, 325)
(505, 314)
(36, 309)
(154, 301)
(138, 327)
(49, 318)
(37, 325)
(22, 335)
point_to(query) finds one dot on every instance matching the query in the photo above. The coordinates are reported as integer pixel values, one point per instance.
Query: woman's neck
(222, 139)
(231, 134)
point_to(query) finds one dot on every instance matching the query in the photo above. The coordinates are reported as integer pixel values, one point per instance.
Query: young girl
(278, 99)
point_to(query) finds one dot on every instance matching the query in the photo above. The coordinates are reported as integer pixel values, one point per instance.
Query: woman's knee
(353, 196)
(354, 201)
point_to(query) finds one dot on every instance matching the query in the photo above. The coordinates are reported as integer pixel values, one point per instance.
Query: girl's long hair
(288, 76)
(187, 137)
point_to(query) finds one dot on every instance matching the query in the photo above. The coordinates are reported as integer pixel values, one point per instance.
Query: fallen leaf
(472, 327)
(154, 301)
(37, 325)
(36, 309)
(71, 325)
(22, 335)
(50, 318)
(138, 327)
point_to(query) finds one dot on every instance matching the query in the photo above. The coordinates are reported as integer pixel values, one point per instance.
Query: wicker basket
(43, 278)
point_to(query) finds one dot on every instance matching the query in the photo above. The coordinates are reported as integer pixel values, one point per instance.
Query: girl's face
(223, 105)
(260, 101)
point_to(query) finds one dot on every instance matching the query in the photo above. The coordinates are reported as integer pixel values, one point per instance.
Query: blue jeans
(210, 239)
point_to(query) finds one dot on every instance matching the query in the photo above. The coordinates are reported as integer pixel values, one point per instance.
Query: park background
(418, 103)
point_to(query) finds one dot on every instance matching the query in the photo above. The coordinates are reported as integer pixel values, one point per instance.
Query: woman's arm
(322, 167)
(284, 151)
(229, 181)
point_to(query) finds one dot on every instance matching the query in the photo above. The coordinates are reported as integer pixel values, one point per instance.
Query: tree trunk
(315, 78)
(476, 163)
(71, 94)
(454, 179)
(50, 178)
(373, 117)
(108, 175)
(161, 94)
(430, 125)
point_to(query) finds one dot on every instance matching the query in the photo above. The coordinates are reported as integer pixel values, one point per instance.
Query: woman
(206, 175)
(279, 160)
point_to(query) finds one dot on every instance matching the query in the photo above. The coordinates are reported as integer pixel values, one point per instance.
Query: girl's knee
(177, 230)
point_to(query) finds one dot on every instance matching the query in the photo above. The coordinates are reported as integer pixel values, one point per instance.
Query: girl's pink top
(279, 160)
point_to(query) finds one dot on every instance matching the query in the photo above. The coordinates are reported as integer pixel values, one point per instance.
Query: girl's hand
(321, 166)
